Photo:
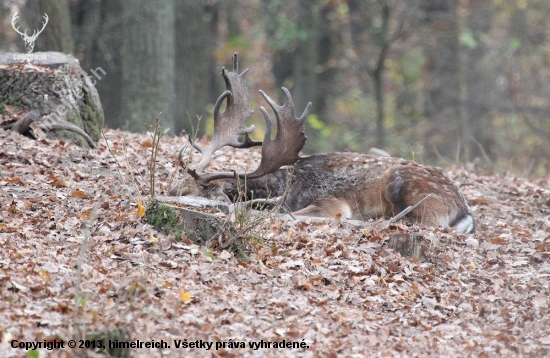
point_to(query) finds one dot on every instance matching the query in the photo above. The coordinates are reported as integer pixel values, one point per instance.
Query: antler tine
(227, 94)
(235, 63)
(305, 113)
(14, 22)
(236, 66)
(215, 143)
(290, 139)
(44, 23)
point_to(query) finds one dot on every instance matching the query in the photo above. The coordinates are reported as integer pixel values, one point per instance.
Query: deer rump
(349, 185)
(359, 187)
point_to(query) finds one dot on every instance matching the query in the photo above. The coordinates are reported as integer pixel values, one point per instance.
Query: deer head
(29, 40)
(230, 125)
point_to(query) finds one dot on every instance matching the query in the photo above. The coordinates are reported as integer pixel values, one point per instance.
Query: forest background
(439, 81)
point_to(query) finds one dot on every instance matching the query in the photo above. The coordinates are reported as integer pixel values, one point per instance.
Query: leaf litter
(338, 288)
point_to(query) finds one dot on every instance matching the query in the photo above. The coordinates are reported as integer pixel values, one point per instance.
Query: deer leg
(326, 208)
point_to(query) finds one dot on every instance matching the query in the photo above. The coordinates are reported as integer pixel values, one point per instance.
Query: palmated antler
(283, 150)
(230, 124)
(290, 138)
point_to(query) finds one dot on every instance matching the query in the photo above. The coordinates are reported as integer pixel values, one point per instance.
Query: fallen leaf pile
(77, 257)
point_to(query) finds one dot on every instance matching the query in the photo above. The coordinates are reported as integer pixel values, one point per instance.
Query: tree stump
(55, 89)
(201, 219)
(407, 244)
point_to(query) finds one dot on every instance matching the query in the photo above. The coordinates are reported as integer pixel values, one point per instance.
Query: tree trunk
(87, 19)
(365, 32)
(105, 51)
(480, 84)
(305, 78)
(192, 67)
(442, 93)
(57, 35)
(96, 49)
(148, 63)
(377, 74)
(283, 58)
(327, 42)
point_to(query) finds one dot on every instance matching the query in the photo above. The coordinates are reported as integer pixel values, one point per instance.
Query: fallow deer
(352, 185)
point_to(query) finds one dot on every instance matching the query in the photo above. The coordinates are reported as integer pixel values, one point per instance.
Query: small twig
(178, 163)
(386, 223)
(134, 167)
(265, 201)
(408, 210)
(120, 166)
(288, 211)
(480, 146)
(440, 157)
(156, 134)
(83, 251)
(357, 207)
(250, 224)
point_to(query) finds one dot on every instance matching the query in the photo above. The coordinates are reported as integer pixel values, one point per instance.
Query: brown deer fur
(350, 185)
(355, 186)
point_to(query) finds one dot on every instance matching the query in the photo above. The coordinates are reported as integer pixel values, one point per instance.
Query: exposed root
(23, 126)
(69, 127)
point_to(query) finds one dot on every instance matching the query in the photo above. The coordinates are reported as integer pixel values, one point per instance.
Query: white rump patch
(466, 225)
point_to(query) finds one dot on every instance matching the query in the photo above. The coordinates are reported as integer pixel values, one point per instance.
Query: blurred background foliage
(460, 82)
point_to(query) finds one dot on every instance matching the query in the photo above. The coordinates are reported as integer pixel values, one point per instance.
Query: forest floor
(334, 289)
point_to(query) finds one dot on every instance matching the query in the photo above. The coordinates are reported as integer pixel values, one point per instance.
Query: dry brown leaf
(79, 194)
(498, 240)
(308, 281)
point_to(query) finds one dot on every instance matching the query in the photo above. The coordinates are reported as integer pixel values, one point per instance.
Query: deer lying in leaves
(353, 185)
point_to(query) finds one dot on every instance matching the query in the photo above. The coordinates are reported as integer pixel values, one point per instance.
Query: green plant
(248, 220)
(163, 218)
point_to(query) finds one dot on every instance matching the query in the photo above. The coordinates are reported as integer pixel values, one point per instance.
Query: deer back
(361, 187)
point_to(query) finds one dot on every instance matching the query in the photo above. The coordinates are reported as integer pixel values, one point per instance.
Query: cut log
(52, 86)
